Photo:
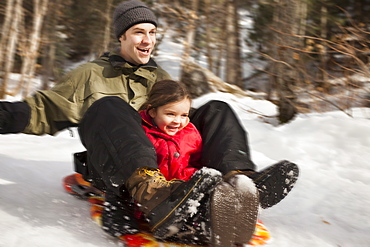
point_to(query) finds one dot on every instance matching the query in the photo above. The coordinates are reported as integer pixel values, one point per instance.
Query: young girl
(178, 144)
(166, 122)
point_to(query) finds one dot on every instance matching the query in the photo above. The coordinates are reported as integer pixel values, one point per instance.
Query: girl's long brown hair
(165, 92)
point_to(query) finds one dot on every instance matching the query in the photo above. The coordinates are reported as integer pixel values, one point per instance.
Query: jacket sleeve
(58, 108)
(162, 74)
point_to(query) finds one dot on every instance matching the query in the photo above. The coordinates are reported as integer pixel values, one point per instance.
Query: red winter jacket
(178, 156)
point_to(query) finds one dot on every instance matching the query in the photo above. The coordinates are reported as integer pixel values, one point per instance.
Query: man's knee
(108, 113)
(217, 107)
(217, 104)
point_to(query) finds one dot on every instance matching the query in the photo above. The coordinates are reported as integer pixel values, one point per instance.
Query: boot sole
(234, 214)
(275, 182)
(165, 224)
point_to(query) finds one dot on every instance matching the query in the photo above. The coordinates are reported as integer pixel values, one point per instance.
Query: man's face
(137, 43)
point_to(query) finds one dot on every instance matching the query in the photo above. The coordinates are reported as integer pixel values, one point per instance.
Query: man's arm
(46, 112)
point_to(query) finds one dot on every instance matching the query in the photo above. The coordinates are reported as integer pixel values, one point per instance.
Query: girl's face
(138, 43)
(172, 117)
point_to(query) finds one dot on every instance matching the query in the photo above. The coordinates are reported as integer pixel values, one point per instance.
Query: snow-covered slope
(328, 207)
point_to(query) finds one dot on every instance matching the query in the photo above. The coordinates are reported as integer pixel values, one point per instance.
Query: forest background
(302, 55)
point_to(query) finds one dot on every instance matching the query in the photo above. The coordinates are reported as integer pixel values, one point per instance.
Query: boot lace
(158, 176)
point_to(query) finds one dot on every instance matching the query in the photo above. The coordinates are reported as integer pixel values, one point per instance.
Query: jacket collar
(147, 119)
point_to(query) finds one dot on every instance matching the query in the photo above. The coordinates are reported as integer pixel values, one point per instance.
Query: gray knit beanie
(130, 13)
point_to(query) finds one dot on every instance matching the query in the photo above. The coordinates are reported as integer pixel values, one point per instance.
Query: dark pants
(225, 143)
(117, 145)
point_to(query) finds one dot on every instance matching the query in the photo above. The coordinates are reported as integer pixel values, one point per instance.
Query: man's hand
(14, 116)
(5, 119)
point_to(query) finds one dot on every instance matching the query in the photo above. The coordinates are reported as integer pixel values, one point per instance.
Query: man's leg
(225, 148)
(225, 143)
(233, 209)
(116, 146)
(115, 141)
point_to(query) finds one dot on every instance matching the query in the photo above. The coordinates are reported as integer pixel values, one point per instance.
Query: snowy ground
(330, 205)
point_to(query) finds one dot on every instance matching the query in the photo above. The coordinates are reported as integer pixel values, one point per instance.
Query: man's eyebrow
(143, 29)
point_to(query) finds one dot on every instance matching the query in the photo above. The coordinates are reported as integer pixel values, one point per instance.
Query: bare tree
(31, 53)
(9, 12)
(215, 35)
(192, 18)
(285, 75)
(50, 40)
(108, 23)
(209, 33)
(323, 48)
(9, 41)
(233, 70)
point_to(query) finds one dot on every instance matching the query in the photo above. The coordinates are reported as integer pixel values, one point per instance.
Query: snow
(243, 184)
(329, 205)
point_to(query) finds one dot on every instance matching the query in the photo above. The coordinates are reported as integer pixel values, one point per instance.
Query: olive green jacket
(110, 75)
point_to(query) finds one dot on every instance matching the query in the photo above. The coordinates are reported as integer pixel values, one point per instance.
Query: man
(101, 98)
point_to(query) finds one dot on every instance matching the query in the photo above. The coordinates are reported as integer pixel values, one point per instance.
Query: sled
(77, 186)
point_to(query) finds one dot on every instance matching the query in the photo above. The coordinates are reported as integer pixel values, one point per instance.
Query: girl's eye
(170, 114)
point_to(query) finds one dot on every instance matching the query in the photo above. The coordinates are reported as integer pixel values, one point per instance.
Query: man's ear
(122, 37)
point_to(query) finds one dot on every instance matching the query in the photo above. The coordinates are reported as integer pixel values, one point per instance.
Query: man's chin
(144, 60)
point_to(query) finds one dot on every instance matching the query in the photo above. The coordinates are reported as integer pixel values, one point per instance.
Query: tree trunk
(5, 33)
(302, 15)
(108, 24)
(11, 45)
(285, 73)
(192, 18)
(49, 54)
(323, 52)
(190, 32)
(9, 12)
(209, 36)
(221, 44)
(233, 60)
(30, 58)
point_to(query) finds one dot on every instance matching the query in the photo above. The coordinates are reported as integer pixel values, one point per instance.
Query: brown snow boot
(168, 204)
(234, 211)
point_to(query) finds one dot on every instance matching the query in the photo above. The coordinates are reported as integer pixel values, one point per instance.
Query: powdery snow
(243, 184)
(329, 205)
(193, 207)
